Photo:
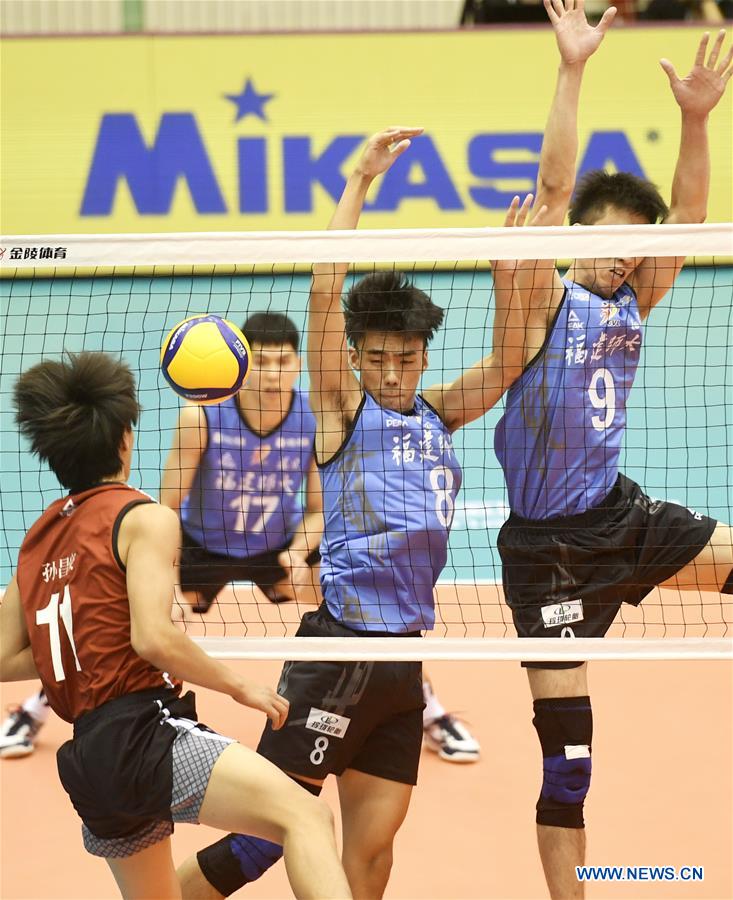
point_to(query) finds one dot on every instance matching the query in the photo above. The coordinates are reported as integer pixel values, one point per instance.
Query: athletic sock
(37, 707)
(433, 707)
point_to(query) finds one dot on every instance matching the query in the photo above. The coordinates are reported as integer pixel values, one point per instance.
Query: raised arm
(577, 41)
(334, 389)
(697, 95)
(479, 388)
(189, 443)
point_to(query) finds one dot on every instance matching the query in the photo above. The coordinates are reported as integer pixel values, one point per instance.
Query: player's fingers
(559, 7)
(280, 713)
(511, 213)
(701, 49)
(400, 148)
(397, 132)
(715, 52)
(276, 709)
(606, 19)
(669, 69)
(550, 11)
(275, 717)
(727, 59)
(538, 215)
(524, 209)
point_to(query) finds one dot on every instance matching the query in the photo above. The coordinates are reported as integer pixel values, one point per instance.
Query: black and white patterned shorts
(135, 766)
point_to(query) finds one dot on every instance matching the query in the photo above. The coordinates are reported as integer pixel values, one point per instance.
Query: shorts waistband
(324, 611)
(114, 707)
(580, 520)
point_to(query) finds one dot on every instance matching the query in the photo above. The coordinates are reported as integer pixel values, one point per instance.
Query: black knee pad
(236, 860)
(565, 729)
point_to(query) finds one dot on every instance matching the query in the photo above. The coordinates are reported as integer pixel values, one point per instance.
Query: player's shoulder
(430, 401)
(148, 518)
(192, 428)
(192, 415)
(146, 526)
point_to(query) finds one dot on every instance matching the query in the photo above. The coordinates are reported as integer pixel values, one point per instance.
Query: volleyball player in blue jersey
(236, 472)
(582, 538)
(390, 478)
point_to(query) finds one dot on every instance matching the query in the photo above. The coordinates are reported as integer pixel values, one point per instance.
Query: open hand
(517, 215)
(576, 39)
(382, 149)
(699, 92)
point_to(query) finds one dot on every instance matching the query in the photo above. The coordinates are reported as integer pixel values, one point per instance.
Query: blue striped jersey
(389, 496)
(246, 495)
(560, 437)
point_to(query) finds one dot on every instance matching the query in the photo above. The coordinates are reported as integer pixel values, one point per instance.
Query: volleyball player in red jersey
(89, 612)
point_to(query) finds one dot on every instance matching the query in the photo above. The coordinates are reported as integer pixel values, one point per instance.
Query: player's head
(602, 198)
(389, 323)
(274, 341)
(78, 414)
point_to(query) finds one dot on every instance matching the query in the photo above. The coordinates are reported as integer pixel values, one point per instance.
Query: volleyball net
(122, 294)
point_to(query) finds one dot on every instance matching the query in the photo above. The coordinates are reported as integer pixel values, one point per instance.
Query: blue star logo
(249, 102)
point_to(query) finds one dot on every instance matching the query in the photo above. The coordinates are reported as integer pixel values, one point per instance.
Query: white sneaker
(451, 740)
(18, 732)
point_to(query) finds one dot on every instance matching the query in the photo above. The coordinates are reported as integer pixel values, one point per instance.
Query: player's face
(275, 369)
(390, 365)
(605, 276)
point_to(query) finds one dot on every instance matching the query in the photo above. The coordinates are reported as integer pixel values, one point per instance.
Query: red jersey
(74, 594)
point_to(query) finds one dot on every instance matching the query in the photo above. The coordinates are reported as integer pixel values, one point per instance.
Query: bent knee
(309, 812)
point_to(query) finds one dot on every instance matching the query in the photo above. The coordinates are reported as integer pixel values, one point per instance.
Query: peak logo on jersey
(68, 509)
(327, 722)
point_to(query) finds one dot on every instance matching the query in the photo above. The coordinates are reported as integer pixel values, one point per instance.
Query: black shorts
(207, 573)
(348, 715)
(135, 766)
(568, 576)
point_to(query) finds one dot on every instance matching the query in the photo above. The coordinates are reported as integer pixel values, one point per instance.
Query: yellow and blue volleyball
(205, 359)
